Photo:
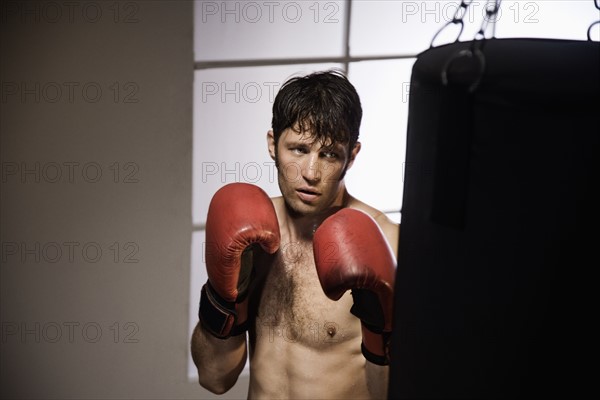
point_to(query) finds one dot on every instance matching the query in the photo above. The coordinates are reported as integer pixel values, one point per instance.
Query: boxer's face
(310, 174)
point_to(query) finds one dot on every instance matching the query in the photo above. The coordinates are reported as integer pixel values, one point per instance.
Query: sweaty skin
(304, 345)
(301, 344)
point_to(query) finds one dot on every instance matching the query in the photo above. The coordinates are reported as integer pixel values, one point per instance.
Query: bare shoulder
(390, 229)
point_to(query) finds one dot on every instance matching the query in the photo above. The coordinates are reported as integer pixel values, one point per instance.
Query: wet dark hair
(324, 104)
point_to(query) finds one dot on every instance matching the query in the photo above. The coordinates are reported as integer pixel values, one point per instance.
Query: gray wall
(95, 268)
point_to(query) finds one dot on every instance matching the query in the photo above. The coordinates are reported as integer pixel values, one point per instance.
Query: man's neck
(303, 226)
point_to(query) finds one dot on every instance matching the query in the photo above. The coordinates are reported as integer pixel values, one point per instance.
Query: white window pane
(233, 30)
(232, 114)
(377, 174)
(406, 27)
(557, 19)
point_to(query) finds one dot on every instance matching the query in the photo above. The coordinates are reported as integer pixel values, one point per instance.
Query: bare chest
(293, 307)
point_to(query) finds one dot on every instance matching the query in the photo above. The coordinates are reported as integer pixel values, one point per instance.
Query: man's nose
(311, 169)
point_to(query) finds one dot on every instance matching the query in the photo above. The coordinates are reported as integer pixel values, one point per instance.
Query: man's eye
(329, 154)
(298, 150)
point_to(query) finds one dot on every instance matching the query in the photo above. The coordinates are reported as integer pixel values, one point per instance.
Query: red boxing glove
(239, 215)
(351, 252)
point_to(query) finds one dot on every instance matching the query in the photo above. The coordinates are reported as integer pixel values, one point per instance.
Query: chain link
(491, 10)
(589, 31)
(457, 19)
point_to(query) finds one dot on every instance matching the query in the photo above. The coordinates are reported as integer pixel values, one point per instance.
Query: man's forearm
(377, 380)
(219, 361)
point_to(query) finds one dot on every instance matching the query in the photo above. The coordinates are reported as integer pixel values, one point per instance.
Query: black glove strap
(374, 358)
(217, 315)
(239, 329)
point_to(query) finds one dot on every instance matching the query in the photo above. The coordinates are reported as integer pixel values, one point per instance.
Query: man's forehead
(308, 137)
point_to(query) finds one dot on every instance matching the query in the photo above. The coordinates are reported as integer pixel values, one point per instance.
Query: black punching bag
(499, 245)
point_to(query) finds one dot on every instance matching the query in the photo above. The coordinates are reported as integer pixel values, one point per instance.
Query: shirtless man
(261, 263)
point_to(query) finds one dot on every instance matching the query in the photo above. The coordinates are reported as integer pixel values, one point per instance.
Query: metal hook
(589, 31)
(473, 53)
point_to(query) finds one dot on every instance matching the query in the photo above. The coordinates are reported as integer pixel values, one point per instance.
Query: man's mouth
(307, 194)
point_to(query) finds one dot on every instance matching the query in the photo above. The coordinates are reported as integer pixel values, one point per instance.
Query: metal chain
(474, 54)
(491, 10)
(458, 17)
(589, 31)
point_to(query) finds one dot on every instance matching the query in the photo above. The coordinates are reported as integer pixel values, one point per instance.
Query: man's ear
(271, 144)
(353, 154)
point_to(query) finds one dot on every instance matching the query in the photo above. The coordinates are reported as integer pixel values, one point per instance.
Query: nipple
(331, 331)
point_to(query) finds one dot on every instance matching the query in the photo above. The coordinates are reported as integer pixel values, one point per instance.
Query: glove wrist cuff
(220, 317)
(375, 345)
